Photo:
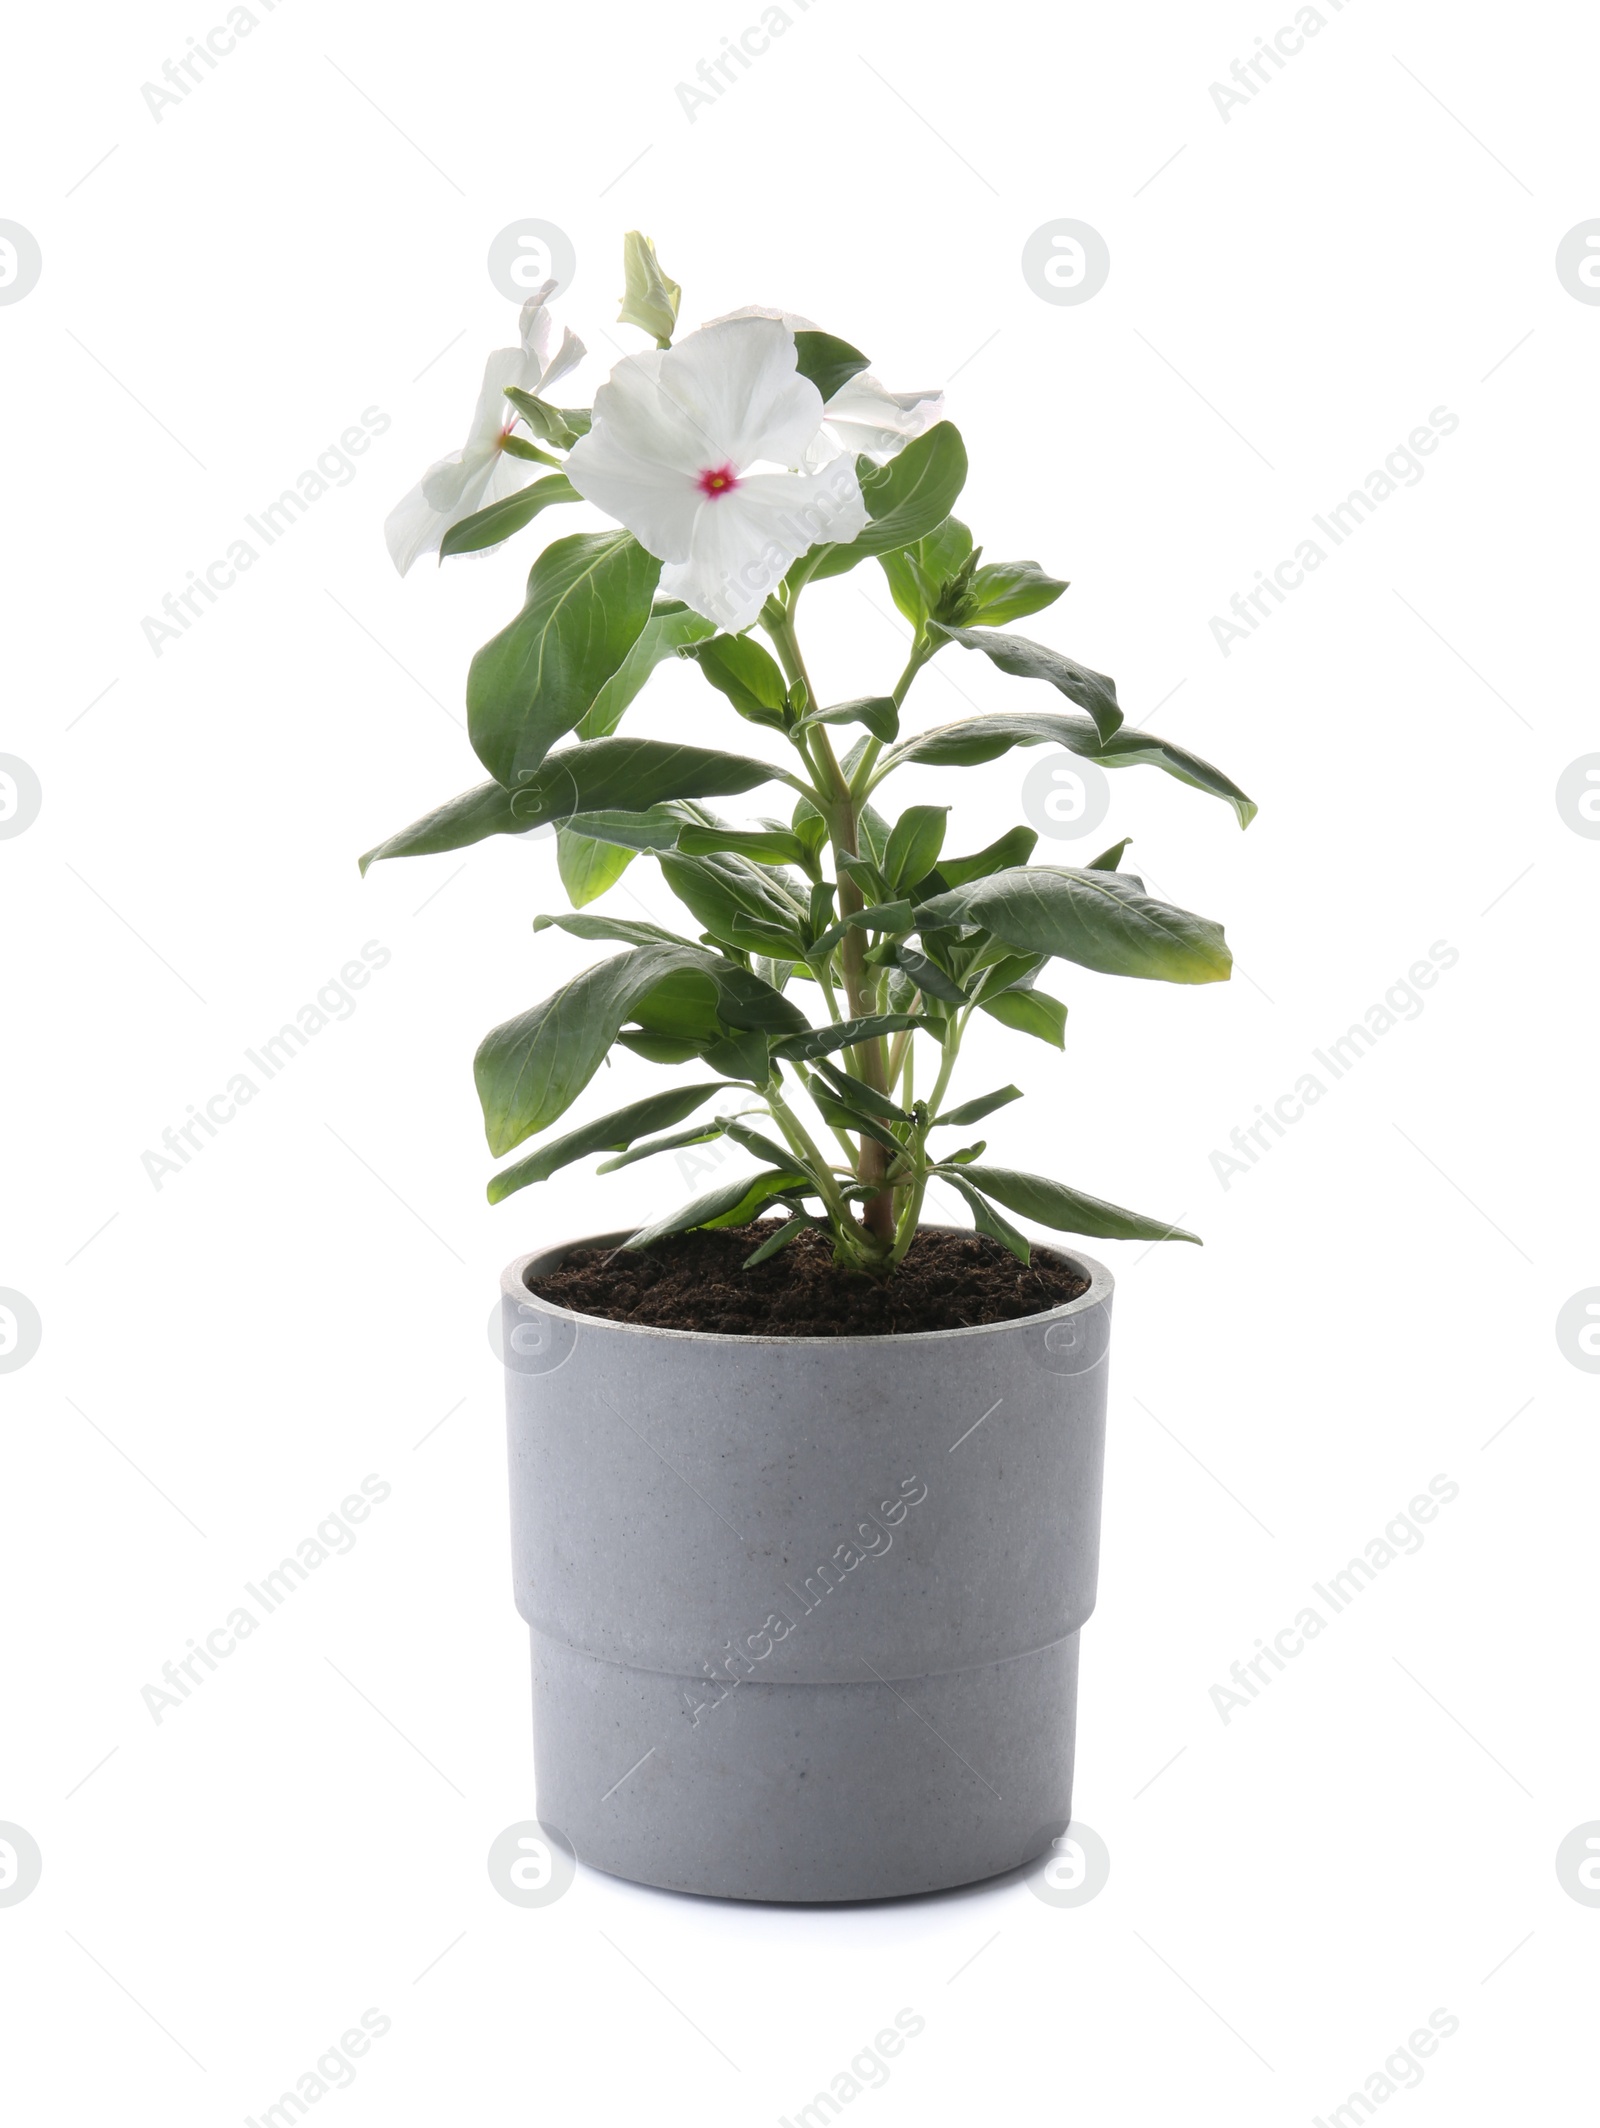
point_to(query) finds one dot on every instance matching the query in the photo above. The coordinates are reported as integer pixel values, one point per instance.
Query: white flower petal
(743, 541)
(862, 416)
(456, 485)
(411, 529)
(728, 397)
(657, 502)
(740, 391)
(451, 489)
(453, 484)
(534, 322)
(494, 413)
(791, 318)
(567, 357)
(633, 413)
(537, 330)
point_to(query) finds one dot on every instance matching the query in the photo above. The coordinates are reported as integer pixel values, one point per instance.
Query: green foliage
(829, 363)
(738, 667)
(670, 628)
(588, 868)
(858, 912)
(1032, 661)
(650, 300)
(905, 499)
(587, 601)
(604, 1135)
(488, 527)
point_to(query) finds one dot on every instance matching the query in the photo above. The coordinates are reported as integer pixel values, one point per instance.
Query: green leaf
(752, 935)
(872, 830)
(661, 1048)
(987, 1220)
(665, 633)
(746, 1000)
(811, 828)
(754, 1141)
(1101, 920)
(791, 1230)
(828, 363)
(985, 1105)
(732, 1205)
(865, 874)
(1030, 1012)
(858, 1094)
(740, 1056)
(604, 1135)
(844, 1034)
(588, 868)
(1052, 1204)
(520, 447)
(1129, 747)
(1013, 848)
(680, 1003)
(488, 527)
(531, 1069)
(738, 667)
(772, 846)
(918, 573)
(1108, 860)
(697, 1134)
(915, 841)
(650, 300)
(657, 828)
(905, 499)
(833, 1111)
(928, 976)
(1009, 591)
(1032, 661)
(1001, 969)
(588, 599)
(877, 712)
(893, 918)
(727, 893)
(632, 775)
(627, 929)
(486, 810)
(974, 739)
(544, 420)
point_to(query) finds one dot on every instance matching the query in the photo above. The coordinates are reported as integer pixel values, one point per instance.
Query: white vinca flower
(861, 417)
(704, 451)
(483, 471)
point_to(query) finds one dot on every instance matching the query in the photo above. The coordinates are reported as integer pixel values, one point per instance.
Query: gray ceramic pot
(804, 1611)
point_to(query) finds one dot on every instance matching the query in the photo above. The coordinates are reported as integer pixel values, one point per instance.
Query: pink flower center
(718, 480)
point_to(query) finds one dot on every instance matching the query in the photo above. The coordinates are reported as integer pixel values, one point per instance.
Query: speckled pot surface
(804, 1611)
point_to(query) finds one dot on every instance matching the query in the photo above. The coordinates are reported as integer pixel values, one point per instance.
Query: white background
(303, 236)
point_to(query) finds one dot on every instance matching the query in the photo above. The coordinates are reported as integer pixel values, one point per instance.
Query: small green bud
(649, 299)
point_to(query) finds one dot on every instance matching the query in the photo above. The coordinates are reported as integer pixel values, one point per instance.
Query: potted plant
(805, 1490)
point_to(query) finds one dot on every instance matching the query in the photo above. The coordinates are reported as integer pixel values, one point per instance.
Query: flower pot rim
(514, 1283)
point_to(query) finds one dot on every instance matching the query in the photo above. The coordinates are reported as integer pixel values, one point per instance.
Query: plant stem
(840, 812)
(921, 651)
(848, 1233)
(905, 1232)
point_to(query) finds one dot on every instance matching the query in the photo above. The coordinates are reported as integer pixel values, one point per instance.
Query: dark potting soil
(695, 1282)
